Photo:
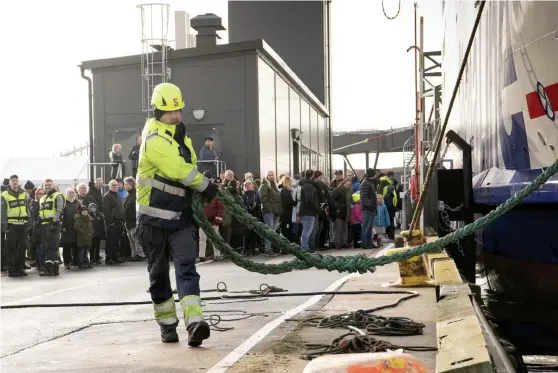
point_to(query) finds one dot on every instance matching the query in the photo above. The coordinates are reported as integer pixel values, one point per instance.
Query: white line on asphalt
(82, 286)
(236, 354)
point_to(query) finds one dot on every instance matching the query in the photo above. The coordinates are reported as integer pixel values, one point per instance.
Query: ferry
(506, 110)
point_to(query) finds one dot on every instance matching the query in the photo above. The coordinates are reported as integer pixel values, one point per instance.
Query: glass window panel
(322, 140)
(294, 114)
(314, 130)
(305, 128)
(283, 129)
(266, 82)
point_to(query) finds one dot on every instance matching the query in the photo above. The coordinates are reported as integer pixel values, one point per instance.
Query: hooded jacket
(84, 229)
(98, 221)
(307, 198)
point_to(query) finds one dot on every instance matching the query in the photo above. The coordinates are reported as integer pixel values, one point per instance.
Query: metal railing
(216, 166)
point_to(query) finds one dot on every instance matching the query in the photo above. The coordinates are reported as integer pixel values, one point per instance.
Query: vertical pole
(367, 160)
(416, 99)
(421, 121)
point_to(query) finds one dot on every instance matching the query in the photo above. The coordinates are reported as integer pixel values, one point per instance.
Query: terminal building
(243, 94)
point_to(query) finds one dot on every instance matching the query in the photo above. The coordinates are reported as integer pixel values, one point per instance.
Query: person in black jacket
(114, 219)
(99, 233)
(95, 193)
(129, 203)
(287, 204)
(308, 208)
(323, 201)
(368, 202)
(134, 156)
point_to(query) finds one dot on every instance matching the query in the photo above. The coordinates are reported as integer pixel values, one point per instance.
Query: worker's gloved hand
(210, 192)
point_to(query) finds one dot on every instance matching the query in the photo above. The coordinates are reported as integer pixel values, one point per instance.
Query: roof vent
(207, 26)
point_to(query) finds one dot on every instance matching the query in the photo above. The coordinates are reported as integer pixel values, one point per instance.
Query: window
(266, 82)
(294, 115)
(282, 126)
(314, 130)
(305, 128)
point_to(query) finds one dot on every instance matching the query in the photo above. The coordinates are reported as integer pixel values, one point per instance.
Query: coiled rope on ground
(352, 263)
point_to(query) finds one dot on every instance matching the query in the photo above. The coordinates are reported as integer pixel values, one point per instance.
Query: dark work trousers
(251, 242)
(69, 252)
(39, 253)
(51, 241)
(114, 233)
(95, 249)
(3, 251)
(17, 240)
(157, 244)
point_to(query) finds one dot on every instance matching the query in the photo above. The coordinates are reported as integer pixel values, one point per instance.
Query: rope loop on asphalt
(351, 263)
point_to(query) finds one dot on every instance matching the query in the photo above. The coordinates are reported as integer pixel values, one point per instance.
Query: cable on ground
(223, 297)
(366, 320)
(354, 342)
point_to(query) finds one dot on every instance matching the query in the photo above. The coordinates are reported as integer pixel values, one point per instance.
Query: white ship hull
(507, 102)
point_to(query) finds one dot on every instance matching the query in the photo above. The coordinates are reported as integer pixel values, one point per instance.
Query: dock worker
(15, 224)
(166, 178)
(51, 208)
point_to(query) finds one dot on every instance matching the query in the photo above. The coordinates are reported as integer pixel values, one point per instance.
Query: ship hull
(506, 110)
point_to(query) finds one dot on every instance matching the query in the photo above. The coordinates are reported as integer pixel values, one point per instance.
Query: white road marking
(22, 301)
(236, 354)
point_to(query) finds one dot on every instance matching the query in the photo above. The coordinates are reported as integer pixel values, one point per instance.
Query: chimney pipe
(207, 26)
(180, 29)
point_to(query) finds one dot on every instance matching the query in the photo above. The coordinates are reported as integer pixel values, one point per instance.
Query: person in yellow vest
(15, 223)
(386, 186)
(166, 178)
(51, 208)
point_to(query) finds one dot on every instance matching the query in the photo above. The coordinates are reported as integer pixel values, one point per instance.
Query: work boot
(22, 272)
(13, 273)
(197, 332)
(49, 270)
(56, 269)
(110, 262)
(169, 334)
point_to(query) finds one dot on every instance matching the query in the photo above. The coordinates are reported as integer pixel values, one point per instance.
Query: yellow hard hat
(167, 97)
(356, 197)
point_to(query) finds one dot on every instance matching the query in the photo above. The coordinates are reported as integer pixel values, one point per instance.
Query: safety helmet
(356, 197)
(167, 97)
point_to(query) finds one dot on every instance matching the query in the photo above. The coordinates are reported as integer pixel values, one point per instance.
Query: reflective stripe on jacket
(167, 174)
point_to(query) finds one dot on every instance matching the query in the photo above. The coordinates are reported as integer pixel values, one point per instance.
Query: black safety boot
(197, 332)
(13, 273)
(22, 272)
(56, 269)
(169, 334)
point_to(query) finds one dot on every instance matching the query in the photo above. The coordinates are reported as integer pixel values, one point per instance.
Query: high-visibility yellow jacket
(167, 174)
(383, 186)
(49, 207)
(15, 206)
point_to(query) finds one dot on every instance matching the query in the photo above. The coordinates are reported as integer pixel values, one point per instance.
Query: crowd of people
(307, 209)
(37, 221)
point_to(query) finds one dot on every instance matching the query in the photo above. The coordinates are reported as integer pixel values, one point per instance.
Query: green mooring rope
(354, 263)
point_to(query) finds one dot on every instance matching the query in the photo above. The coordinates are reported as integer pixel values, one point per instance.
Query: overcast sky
(44, 42)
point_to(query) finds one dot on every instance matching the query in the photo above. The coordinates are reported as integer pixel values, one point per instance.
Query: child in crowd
(356, 220)
(381, 220)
